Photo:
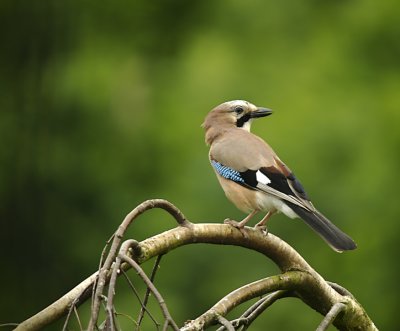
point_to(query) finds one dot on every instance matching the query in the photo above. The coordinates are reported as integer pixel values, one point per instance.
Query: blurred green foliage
(101, 106)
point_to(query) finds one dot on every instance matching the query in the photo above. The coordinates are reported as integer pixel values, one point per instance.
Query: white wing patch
(261, 178)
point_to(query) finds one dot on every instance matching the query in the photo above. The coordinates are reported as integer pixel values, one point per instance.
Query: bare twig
(165, 326)
(127, 317)
(68, 317)
(146, 296)
(140, 301)
(70, 310)
(78, 319)
(250, 315)
(126, 245)
(264, 304)
(223, 321)
(336, 309)
(103, 272)
(8, 324)
(341, 290)
(102, 256)
(153, 289)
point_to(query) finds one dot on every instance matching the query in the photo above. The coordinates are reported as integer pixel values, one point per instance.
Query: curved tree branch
(287, 281)
(298, 277)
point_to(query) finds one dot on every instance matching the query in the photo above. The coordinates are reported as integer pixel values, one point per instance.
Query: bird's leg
(261, 225)
(240, 225)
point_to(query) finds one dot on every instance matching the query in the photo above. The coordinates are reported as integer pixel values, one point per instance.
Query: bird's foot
(237, 225)
(262, 228)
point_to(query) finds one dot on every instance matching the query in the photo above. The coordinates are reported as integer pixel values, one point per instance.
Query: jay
(254, 178)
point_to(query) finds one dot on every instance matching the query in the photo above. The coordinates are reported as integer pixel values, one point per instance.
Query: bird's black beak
(260, 112)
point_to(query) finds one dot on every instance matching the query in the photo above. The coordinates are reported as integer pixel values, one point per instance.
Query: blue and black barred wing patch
(269, 180)
(227, 172)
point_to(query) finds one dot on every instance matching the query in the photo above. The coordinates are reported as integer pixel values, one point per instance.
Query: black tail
(335, 237)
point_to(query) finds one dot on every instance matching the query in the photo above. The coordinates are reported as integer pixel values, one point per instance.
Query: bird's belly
(268, 202)
(248, 200)
(242, 197)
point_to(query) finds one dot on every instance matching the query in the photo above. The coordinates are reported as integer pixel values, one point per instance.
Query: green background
(101, 106)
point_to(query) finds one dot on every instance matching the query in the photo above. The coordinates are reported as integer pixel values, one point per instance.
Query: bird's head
(236, 113)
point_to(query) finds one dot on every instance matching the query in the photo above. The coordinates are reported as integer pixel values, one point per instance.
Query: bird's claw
(262, 228)
(233, 223)
(236, 225)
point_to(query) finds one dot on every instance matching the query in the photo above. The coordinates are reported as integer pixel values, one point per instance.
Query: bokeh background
(101, 106)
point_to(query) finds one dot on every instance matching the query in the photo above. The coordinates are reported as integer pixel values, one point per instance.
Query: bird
(255, 179)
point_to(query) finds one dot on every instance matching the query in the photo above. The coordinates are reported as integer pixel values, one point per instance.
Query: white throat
(247, 126)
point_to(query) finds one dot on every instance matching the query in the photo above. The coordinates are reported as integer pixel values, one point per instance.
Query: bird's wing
(249, 161)
(284, 180)
(268, 180)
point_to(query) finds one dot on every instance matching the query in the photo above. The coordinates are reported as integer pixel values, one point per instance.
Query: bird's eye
(238, 110)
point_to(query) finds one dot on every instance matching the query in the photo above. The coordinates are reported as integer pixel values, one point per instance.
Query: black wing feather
(291, 186)
(278, 180)
(250, 178)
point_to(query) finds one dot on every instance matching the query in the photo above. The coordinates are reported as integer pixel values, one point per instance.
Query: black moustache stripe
(241, 121)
